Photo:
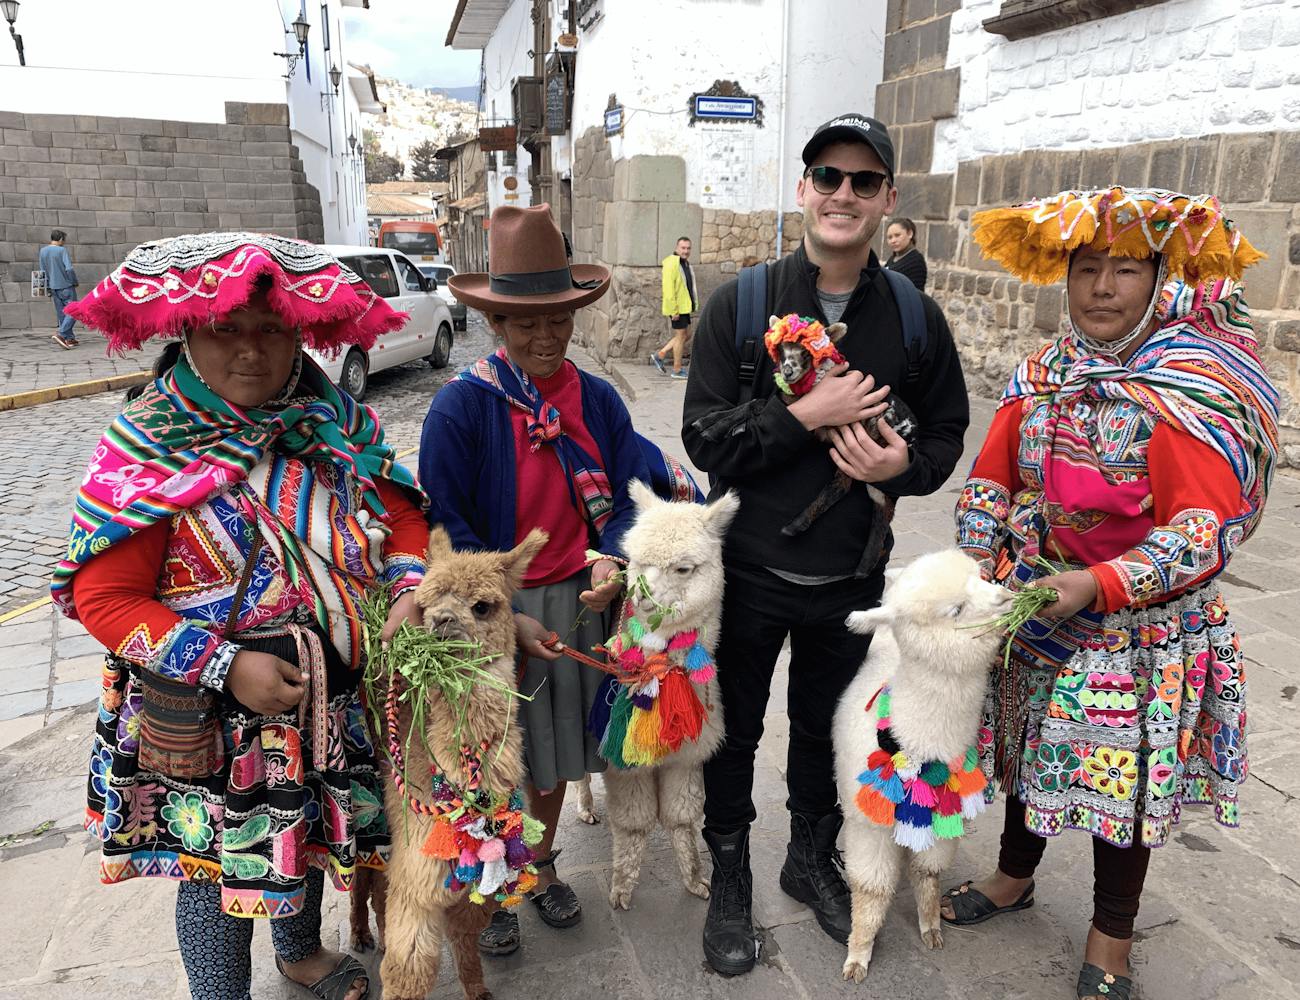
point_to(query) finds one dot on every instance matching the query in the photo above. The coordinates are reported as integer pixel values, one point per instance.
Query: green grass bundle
(1025, 605)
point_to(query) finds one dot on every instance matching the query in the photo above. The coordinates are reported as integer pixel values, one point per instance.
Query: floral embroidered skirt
(257, 824)
(1126, 718)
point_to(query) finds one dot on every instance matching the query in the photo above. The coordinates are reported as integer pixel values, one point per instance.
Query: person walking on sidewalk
(679, 302)
(61, 280)
(803, 587)
(231, 520)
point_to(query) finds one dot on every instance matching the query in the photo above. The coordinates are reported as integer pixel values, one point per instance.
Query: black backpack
(752, 316)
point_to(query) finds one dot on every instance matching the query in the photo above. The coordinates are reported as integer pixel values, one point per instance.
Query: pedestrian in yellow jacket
(679, 303)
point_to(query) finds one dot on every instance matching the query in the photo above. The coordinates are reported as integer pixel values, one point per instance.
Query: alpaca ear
(643, 497)
(439, 545)
(772, 321)
(719, 514)
(515, 562)
(866, 622)
(835, 331)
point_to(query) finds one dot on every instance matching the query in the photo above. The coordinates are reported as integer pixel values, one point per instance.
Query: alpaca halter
(813, 338)
(486, 842)
(648, 706)
(923, 802)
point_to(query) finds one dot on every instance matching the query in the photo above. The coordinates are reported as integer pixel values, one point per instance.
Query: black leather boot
(813, 872)
(729, 942)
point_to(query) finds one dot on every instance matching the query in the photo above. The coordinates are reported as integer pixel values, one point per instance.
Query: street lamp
(336, 75)
(300, 29)
(10, 8)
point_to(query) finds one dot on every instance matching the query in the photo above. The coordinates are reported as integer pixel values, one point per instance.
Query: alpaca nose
(441, 621)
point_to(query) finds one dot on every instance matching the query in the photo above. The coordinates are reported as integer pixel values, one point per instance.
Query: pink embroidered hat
(183, 282)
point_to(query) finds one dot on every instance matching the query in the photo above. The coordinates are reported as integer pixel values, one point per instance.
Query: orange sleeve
(405, 548)
(985, 500)
(1194, 494)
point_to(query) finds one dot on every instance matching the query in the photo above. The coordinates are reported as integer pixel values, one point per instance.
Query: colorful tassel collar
(648, 707)
(923, 802)
(487, 842)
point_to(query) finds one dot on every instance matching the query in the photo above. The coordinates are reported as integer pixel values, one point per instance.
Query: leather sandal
(337, 984)
(1097, 982)
(970, 906)
(557, 904)
(501, 936)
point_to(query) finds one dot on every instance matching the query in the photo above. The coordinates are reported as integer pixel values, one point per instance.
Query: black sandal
(501, 936)
(337, 984)
(970, 906)
(557, 904)
(1097, 982)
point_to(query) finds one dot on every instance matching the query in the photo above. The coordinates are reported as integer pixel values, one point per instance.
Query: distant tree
(381, 167)
(369, 140)
(424, 165)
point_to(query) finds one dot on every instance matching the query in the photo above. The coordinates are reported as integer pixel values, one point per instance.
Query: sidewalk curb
(72, 390)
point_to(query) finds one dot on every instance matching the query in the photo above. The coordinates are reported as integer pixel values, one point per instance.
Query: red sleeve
(410, 531)
(997, 461)
(1194, 493)
(115, 592)
(985, 501)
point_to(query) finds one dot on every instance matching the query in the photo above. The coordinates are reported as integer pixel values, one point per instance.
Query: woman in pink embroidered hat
(230, 520)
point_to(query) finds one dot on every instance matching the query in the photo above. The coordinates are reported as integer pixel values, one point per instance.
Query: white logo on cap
(856, 120)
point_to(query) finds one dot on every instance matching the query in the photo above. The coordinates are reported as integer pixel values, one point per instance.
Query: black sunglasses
(827, 180)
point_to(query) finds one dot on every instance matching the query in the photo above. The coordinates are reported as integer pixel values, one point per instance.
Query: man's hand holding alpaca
(859, 457)
(842, 397)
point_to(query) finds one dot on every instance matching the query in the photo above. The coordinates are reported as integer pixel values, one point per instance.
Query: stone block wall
(113, 183)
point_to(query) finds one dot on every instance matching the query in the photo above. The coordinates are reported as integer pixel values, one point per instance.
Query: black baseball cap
(852, 127)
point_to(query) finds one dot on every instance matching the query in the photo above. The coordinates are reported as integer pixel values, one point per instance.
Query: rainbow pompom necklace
(923, 802)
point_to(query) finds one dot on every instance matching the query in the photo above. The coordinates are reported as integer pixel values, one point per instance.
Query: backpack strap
(751, 322)
(911, 311)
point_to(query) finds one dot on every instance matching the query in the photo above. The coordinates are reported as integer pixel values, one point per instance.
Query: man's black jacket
(777, 466)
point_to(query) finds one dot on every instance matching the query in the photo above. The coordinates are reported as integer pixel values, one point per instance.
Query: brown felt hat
(531, 274)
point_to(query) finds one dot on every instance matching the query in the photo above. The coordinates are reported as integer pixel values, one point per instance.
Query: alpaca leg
(464, 922)
(410, 967)
(379, 900)
(359, 918)
(880, 521)
(681, 812)
(872, 863)
(586, 804)
(924, 870)
(630, 800)
(832, 494)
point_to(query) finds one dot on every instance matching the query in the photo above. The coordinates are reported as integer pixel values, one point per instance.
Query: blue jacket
(57, 266)
(467, 463)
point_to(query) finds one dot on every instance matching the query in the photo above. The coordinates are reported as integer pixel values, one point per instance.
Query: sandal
(334, 985)
(970, 906)
(1095, 981)
(501, 936)
(557, 904)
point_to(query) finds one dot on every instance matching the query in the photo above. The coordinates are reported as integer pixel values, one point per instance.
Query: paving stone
(79, 668)
(73, 693)
(13, 706)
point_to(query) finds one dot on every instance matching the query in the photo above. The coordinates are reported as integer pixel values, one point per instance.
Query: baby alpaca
(662, 717)
(905, 735)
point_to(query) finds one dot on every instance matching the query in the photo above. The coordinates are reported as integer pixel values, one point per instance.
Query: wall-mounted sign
(567, 41)
(510, 183)
(725, 101)
(727, 174)
(491, 140)
(614, 120)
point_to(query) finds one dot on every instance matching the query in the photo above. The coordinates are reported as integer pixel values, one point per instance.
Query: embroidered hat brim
(185, 282)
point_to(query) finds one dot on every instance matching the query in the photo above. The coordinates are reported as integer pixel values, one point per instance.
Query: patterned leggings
(217, 948)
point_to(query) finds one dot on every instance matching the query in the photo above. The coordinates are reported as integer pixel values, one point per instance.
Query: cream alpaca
(676, 548)
(935, 668)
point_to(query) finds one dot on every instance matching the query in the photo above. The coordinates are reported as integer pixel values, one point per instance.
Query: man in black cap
(803, 587)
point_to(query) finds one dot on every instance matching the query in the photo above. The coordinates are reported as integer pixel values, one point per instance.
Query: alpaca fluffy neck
(934, 712)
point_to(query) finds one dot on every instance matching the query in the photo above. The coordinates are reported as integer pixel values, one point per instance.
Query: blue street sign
(725, 107)
(614, 120)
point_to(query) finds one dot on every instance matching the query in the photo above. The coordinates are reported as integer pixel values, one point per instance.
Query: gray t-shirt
(833, 305)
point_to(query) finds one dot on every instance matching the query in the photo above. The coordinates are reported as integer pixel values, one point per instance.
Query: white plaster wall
(1179, 69)
(505, 57)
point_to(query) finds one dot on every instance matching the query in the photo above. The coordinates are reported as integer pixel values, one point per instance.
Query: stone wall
(113, 183)
(996, 320)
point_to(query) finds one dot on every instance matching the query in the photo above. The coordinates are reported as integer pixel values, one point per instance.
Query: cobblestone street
(1238, 939)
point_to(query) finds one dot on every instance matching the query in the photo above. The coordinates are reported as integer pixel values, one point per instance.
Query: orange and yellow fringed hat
(1033, 241)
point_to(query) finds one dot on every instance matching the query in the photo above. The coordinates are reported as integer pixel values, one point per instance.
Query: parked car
(440, 273)
(428, 333)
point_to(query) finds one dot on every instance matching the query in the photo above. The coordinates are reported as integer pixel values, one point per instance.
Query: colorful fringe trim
(923, 802)
(650, 708)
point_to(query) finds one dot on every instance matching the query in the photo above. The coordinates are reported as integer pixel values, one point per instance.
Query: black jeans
(1118, 873)
(759, 610)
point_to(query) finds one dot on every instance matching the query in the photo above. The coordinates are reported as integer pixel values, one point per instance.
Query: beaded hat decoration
(168, 286)
(1033, 241)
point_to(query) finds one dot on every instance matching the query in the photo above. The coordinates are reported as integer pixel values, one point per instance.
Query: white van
(427, 335)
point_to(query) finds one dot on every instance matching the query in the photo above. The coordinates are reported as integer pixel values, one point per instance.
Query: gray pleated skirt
(557, 746)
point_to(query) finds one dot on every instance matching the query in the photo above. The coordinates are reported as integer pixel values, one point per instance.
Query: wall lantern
(300, 29)
(336, 75)
(10, 8)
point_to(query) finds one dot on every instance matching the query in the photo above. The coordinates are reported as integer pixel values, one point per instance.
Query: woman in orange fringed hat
(1126, 462)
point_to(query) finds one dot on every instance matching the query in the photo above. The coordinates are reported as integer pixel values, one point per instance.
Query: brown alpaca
(464, 596)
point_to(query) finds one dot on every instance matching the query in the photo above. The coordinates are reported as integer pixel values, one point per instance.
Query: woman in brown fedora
(524, 439)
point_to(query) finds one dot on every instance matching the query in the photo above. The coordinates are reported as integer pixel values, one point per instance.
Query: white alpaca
(676, 548)
(936, 669)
